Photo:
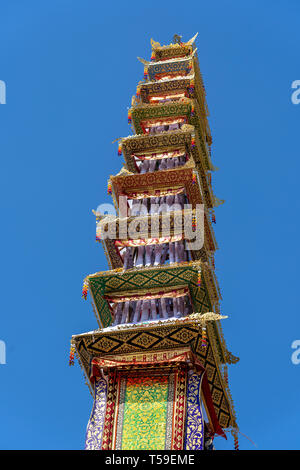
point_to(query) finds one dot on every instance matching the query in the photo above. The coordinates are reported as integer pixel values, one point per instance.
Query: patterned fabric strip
(159, 156)
(194, 422)
(93, 440)
(148, 241)
(170, 411)
(180, 355)
(181, 65)
(154, 193)
(208, 398)
(145, 413)
(179, 414)
(184, 420)
(175, 293)
(117, 441)
(110, 411)
(162, 122)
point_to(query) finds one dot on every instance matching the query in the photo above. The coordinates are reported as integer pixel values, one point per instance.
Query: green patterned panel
(145, 412)
(147, 279)
(153, 112)
(175, 109)
(168, 67)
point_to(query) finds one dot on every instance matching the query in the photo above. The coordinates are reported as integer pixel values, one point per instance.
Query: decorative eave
(159, 180)
(178, 49)
(188, 66)
(187, 108)
(201, 93)
(153, 88)
(177, 65)
(145, 111)
(173, 51)
(125, 341)
(181, 176)
(168, 140)
(188, 85)
(115, 263)
(186, 274)
(143, 224)
(175, 225)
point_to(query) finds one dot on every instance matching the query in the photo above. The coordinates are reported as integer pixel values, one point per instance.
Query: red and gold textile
(137, 364)
(175, 293)
(160, 155)
(153, 193)
(148, 241)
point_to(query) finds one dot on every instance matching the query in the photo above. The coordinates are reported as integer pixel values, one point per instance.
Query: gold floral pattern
(144, 425)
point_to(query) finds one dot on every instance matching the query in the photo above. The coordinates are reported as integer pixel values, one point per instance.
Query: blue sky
(70, 69)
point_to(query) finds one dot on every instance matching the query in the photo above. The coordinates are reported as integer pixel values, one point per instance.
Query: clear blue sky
(70, 68)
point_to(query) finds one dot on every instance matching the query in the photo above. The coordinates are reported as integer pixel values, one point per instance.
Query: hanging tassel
(138, 91)
(192, 87)
(194, 223)
(235, 439)
(199, 279)
(72, 355)
(120, 146)
(129, 117)
(153, 56)
(145, 73)
(194, 178)
(192, 110)
(85, 290)
(193, 143)
(98, 238)
(109, 187)
(203, 337)
(213, 218)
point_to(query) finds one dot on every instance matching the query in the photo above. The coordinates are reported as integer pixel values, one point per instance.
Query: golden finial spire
(177, 39)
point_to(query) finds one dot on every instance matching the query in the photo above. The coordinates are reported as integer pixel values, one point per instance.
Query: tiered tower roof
(168, 158)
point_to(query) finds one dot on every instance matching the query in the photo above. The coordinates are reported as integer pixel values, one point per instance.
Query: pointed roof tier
(184, 139)
(163, 90)
(174, 79)
(158, 306)
(173, 50)
(161, 342)
(184, 180)
(171, 68)
(146, 118)
(115, 235)
(107, 287)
